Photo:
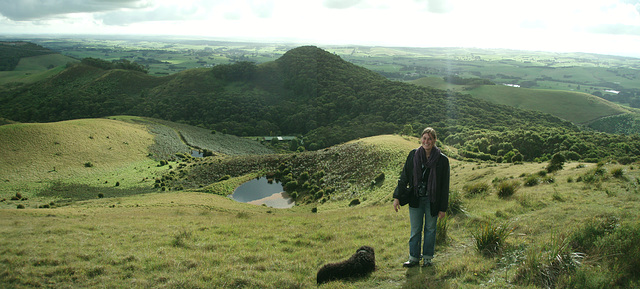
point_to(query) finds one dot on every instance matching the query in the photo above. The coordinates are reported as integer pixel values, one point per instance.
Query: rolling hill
(577, 107)
(313, 94)
(65, 234)
(84, 150)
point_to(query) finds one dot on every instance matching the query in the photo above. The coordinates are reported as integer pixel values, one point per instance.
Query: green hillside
(313, 94)
(101, 152)
(576, 107)
(35, 68)
(561, 229)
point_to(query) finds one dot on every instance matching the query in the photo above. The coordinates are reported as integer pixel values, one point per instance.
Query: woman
(424, 185)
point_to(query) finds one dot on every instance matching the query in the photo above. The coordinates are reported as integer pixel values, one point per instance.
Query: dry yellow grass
(45, 151)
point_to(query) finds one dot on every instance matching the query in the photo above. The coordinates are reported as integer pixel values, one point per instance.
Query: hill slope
(576, 107)
(306, 91)
(173, 238)
(81, 148)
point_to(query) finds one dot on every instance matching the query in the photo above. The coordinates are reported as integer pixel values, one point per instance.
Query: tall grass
(490, 238)
(543, 266)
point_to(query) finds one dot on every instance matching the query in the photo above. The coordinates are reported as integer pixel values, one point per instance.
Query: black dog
(360, 264)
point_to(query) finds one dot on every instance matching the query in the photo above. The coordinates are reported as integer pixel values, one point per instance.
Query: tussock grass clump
(477, 188)
(442, 228)
(612, 254)
(532, 180)
(507, 188)
(618, 172)
(544, 266)
(456, 204)
(490, 238)
(180, 239)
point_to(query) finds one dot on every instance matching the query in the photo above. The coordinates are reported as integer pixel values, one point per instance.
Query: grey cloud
(163, 13)
(25, 10)
(340, 4)
(616, 29)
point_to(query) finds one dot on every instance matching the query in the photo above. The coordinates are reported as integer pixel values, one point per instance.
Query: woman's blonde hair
(431, 132)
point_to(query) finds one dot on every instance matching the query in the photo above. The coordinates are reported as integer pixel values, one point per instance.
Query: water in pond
(260, 191)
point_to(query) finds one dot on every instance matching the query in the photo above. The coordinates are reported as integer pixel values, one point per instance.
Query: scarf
(419, 159)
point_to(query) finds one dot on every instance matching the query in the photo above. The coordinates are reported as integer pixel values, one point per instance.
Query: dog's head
(366, 249)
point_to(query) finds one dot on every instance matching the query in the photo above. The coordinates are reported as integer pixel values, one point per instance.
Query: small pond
(260, 191)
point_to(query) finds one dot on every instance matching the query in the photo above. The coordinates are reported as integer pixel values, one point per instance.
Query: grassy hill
(192, 239)
(98, 153)
(577, 107)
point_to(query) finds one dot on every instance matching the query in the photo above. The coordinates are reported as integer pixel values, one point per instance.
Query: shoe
(427, 264)
(410, 264)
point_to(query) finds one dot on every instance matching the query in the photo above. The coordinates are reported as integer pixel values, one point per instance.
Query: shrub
(20, 206)
(556, 163)
(507, 188)
(354, 202)
(531, 180)
(490, 238)
(100, 195)
(291, 186)
(476, 188)
(88, 164)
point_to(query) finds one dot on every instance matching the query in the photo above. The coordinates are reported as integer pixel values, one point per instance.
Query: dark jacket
(405, 185)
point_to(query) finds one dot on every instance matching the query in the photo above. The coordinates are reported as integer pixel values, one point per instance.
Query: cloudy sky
(599, 26)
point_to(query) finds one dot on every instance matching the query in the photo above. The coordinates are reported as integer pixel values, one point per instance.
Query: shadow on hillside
(81, 192)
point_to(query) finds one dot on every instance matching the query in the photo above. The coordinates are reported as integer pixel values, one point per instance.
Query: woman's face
(427, 141)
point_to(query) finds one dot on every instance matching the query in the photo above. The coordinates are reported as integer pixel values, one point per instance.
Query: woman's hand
(396, 204)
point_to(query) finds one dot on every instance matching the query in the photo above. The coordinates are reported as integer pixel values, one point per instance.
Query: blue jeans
(419, 217)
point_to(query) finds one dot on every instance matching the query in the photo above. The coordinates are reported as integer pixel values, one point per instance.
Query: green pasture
(576, 107)
(36, 68)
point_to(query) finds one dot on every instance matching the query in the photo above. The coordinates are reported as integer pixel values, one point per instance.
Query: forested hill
(307, 91)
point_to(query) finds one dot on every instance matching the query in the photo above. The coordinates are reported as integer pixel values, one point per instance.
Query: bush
(490, 238)
(88, 165)
(556, 163)
(476, 188)
(532, 180)
(20, 206)
(507, 188)
(354, 202)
